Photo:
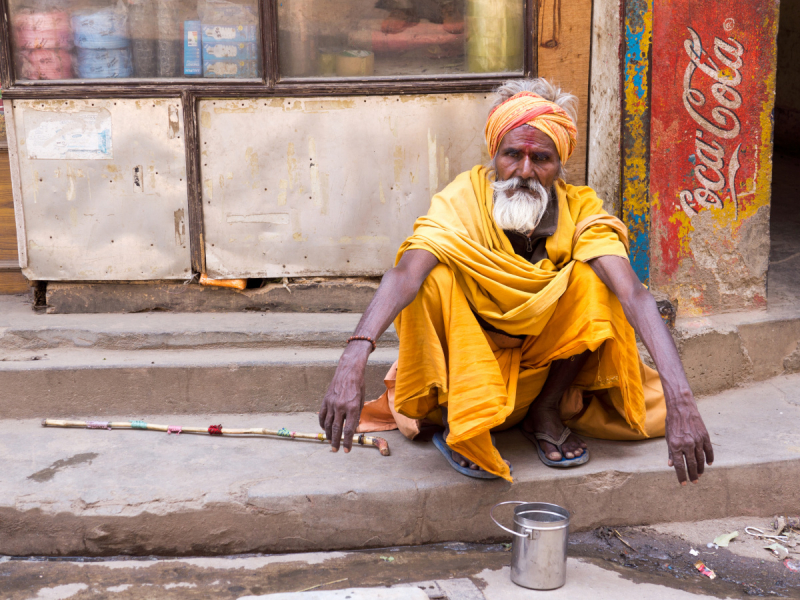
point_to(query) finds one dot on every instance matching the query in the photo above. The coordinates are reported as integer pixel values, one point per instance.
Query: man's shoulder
(582, 200)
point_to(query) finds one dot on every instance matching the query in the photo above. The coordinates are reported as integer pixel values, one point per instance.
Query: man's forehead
(526, 135)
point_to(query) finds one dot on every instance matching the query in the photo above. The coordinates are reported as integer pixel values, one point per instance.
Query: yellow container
(355, 63)
(494, 40)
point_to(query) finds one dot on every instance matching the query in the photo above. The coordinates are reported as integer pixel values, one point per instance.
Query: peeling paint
(251, 158)
(316, 192)
(283, 184)
(291, 166)
(636, 133)
(72, 174)
(713, 93)
(352, 185)
(399, 163)
(205, 119)
(433, 165)
(90, 218)
(274, 218)
(174, 122)
(319, 105)
(35, 186)
(180, 227)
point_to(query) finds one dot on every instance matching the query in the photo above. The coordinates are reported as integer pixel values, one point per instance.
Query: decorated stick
(364, 440)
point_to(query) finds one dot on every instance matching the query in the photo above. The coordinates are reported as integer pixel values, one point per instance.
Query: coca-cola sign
(711, 99)
(716, 123)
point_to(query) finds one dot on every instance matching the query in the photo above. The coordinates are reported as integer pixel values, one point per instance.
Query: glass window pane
(100, 39)
(357, 38)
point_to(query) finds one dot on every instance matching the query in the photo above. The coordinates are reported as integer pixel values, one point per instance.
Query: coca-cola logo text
(719, 124)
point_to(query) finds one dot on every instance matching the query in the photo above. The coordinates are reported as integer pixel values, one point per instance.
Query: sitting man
(515, 303)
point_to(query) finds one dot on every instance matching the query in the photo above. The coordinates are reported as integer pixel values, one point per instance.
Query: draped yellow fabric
(559, 303)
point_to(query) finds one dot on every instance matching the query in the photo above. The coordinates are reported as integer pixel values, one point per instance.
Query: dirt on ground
(662, 554)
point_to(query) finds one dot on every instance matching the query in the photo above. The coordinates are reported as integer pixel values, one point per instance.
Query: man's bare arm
(341, 407)
(687, 438)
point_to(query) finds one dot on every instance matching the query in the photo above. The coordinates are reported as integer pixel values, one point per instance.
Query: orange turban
(527, 108)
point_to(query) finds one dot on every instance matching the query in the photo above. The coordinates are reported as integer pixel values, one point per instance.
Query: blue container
(213, 51)
(192, 60)
(227, 68)
(212, 33)
(103, 63)
(106, 28)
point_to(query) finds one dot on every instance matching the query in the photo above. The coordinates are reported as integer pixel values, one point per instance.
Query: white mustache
(515, 183)
(519, 204)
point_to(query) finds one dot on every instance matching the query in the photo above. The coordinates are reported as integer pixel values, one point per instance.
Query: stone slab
(22, 328)
(75, 382)
(327, 295)
(584, 580)
(407, 593)
(97, 492)
(718, 352)
(724, 351)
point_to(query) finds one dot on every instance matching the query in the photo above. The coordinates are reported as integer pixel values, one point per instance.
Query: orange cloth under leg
(446, 359)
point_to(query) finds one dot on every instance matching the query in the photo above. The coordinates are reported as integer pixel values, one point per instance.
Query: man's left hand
(687, 440)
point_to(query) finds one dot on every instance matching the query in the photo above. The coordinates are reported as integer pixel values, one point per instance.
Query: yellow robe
(446, 358)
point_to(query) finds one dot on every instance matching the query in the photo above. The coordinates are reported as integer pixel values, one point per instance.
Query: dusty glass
(364, 38)
(109, 39)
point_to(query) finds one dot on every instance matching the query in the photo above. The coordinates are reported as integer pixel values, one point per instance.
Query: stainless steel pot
(539, 547)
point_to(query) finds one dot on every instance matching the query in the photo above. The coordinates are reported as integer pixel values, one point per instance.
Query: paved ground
(650, 563)
(97, 492)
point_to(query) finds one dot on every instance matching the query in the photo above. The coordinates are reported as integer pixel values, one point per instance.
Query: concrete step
(196, 365)
(97, 492)
(82, 382)
(724, 351)
(21, 328)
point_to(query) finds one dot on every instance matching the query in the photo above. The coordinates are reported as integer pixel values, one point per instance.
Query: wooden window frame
(191, 90)
(271, 84)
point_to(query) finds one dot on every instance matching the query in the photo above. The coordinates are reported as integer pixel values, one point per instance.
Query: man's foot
(465, 462)
(547, 420)
(398, 20)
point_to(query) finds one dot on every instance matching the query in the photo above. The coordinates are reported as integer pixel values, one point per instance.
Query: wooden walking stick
(364, 440)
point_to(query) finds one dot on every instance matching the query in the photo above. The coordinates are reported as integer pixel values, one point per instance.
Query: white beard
(524, 208)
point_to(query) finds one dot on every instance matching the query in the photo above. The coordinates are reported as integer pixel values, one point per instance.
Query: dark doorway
(783, 284)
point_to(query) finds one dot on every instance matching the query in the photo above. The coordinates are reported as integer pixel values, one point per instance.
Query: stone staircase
(82, 492)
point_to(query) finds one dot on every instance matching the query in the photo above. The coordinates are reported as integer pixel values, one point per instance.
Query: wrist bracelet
(363, 338)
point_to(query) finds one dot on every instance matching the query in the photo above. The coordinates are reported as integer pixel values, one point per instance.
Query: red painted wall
(713, 85)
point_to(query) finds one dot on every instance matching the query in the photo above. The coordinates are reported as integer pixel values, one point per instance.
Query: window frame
(191, 90)
(270, 83)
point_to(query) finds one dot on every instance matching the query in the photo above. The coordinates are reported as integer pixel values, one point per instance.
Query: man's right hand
(341, 407)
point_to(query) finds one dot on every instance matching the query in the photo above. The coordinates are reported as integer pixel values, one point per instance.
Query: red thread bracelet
(363, 338)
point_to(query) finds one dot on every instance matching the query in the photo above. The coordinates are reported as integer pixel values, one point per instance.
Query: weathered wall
(100, 189)
(564, 57)
(328, 186)
(603, 172)
(635, 134)
(713, 85)
(787, 99)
